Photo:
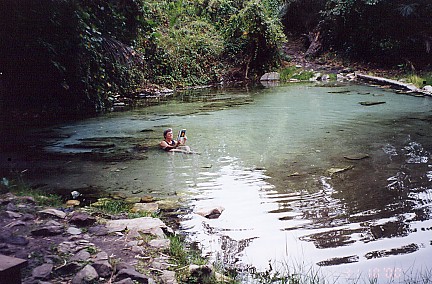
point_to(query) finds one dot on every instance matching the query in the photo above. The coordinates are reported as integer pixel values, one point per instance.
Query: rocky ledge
(64, 245)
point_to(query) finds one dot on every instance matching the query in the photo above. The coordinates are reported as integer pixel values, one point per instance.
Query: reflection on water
(274, 159)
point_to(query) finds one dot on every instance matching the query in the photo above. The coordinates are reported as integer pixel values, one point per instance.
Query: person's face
(169, 135)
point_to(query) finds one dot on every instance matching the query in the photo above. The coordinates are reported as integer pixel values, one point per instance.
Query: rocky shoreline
(77, 245)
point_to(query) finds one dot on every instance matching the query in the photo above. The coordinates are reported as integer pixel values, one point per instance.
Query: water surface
(277, 160)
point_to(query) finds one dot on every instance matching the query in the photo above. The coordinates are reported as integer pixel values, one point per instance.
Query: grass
(18, 187)
(420, 80)
(293, 72)
(111, 206)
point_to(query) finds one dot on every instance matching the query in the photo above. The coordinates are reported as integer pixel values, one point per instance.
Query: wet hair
(166, 131)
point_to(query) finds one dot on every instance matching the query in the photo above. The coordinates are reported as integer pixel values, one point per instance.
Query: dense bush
(384, 31)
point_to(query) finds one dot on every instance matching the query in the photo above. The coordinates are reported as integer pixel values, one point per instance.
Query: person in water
(171, 145)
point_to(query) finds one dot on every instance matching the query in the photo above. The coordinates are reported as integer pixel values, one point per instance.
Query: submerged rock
(333, 171)
(370, 103)
(359, 156)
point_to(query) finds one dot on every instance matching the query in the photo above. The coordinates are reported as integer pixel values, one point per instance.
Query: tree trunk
(315, 46)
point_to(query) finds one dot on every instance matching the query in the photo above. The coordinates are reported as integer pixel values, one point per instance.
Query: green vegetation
(20, 188)
(420, 81)
(295, 73)
(111, 206)
(75, 56)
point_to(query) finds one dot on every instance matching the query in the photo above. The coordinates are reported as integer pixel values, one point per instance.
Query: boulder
(146, 225)
(270, 76)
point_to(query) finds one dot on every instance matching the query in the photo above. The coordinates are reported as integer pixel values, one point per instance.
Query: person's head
(165, 133)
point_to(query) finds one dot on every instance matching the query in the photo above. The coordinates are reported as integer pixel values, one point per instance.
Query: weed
(110, 206)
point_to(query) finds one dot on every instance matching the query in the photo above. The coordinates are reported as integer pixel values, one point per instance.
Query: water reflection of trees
(372, 200)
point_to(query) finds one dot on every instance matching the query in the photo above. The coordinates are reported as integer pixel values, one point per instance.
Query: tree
(254, 38)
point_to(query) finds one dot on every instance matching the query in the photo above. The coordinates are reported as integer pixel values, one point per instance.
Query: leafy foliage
(255, 36)
(383, 31)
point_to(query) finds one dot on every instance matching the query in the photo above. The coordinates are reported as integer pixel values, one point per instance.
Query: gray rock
(145, 225)
(160, 243)
(68, 269)
(82, 219)
(13, 215)
(101, 256)
(168, 277)
(82, 255)
(210, 212)
(134, 275)
(85, 275)
(270, 76)
(53, 212)
(74, 231)
(43, 271)
(103, 268)
(47, 231)
(99, 230)
(125, 281)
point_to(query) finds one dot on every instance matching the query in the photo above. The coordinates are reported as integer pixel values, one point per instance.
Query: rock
(54, 212)
(86, 275)
(333, 171)
(145, 207)
(146, 225)
(74, 231)
(134, 275)
(125, 281)
(68, 269)
(169, 204)
(103, 268)
(427, 89)
(147, 199)
(82, 219)
(168, 277)
(82, 255)
(200, 272)
(133, 200)
(98, 230)
(72, 203)
(11, 207)
(12, 214)
(160, 243)
(47, 231)
(210, 212)
(101, 256)
(370, 103)
(43, 271)
(74, 246)
(17, 240)
(270, 76)
(359, 156)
